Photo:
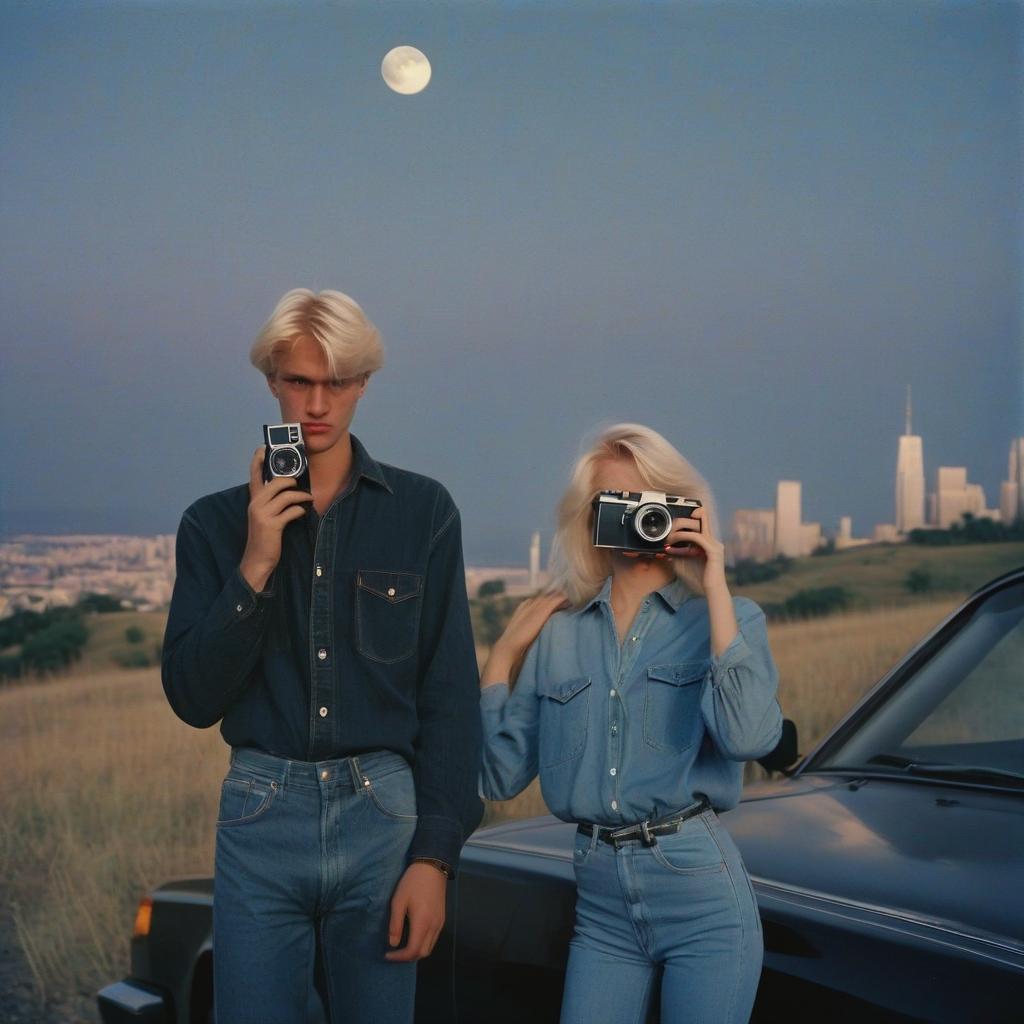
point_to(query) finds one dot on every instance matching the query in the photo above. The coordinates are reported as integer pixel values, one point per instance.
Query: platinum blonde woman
(644, 686)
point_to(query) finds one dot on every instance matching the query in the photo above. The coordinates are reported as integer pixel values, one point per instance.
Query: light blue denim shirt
(620, 734)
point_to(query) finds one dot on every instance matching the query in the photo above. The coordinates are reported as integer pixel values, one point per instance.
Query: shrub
(920, 580)
(806, 604)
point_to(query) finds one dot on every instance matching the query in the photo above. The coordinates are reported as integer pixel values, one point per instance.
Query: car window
(963, 708)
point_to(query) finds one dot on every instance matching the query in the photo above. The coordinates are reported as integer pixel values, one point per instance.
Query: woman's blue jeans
(684, 910)
(303, 848)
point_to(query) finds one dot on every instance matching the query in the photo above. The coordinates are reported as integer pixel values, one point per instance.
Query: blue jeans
(306, 852)
(685, 905)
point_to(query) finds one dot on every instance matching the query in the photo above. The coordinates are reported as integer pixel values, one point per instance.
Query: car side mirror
(786, 752)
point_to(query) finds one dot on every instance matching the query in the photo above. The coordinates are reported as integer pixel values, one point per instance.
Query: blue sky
(750, 226)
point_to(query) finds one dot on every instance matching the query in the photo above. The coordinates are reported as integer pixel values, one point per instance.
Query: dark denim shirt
(620, 733)
(361, 640)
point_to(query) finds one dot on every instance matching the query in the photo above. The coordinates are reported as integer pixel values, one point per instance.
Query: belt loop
(645, 834)
(356, 772)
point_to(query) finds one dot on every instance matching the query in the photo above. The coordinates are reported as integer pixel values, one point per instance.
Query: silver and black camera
(638, 520)
(286, 453)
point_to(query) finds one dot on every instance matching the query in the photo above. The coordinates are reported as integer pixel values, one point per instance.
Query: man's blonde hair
(349, 341)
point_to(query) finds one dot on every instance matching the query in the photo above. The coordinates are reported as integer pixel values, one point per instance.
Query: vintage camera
(286, 453)
(638, 520)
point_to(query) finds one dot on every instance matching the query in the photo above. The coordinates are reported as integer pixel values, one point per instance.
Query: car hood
(930, 851)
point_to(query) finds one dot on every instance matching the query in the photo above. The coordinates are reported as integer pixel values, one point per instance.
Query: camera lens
(285, 462)
(652, 522)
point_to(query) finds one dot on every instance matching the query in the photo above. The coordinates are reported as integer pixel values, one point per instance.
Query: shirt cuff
(437, 838)
(242, 598)
(733, 655)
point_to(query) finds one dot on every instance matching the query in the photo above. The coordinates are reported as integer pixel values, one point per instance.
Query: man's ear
(362, 387)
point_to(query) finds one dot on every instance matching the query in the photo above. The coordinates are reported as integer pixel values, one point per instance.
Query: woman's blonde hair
(578, 568)
(350, 343)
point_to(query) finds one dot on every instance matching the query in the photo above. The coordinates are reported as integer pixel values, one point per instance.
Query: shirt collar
(673, 594)
(367, 467)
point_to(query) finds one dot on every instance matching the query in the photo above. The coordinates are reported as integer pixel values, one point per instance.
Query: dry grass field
(107, 793)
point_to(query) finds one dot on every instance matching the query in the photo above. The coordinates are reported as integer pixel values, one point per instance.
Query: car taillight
(143, 917)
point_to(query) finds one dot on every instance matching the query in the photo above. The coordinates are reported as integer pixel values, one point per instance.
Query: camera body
(638, 520)
(286, 454)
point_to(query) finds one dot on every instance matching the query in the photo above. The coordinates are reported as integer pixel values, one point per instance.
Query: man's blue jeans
(303, 848)
(684, 904)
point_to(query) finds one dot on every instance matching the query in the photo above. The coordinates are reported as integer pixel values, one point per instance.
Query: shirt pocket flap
(679, 674)
(392, 586)
(563, 691)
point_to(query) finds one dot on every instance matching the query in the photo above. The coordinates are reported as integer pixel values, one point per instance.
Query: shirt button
(325, 775)
(611, 693)
(319, 570)
(323, 712)
(238, 607)
(615, 805)
(615, 729)
(634, 638)
(322, 654)
(391, 591)
(612, 771)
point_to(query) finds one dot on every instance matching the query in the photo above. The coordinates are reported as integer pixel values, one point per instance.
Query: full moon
(406, 70)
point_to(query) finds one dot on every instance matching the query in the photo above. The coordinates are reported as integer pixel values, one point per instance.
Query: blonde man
(328, 632)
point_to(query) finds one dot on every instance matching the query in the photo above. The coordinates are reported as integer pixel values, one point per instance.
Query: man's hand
(419, 896)
(272, 506)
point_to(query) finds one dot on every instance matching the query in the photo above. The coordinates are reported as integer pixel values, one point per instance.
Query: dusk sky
(749, 226)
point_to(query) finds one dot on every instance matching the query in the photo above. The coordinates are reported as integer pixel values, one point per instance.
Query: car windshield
(960, 715)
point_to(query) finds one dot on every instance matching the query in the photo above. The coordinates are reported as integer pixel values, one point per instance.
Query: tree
(134, 635)
(491, 588)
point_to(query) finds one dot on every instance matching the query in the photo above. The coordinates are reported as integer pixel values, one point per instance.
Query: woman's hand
(523, 628)
(692, 538)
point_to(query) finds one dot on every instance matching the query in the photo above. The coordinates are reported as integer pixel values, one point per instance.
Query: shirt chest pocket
(672, 718)
(564, 715)
(388, 606)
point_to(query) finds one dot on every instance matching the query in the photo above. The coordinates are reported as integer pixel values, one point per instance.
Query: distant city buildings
(38, 572)
(762, 534)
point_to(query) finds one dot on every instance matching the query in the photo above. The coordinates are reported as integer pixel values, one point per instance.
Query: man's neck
(330, 471)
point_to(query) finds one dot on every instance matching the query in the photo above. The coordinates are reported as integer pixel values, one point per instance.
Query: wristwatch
(445, 869)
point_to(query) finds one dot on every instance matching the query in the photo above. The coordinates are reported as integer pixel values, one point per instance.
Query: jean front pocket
(691, 850)
(564, 715)
(244, 798)
(387, 614)
(392, 792)
(672, 705)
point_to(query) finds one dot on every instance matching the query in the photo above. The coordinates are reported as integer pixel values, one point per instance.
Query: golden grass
(108, 794)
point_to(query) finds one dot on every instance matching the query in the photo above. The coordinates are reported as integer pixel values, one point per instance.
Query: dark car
(888, 867)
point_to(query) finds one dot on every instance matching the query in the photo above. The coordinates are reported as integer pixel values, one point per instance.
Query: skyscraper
(535, 560)
(1012, 503)
(909, 479)
(788, 539)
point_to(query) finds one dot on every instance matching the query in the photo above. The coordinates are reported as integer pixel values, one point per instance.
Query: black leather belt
(646, 831)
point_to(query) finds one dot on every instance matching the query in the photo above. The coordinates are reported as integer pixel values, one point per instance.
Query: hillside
(875, 574)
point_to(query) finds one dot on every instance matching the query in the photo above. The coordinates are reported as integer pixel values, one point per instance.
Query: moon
(406, 70)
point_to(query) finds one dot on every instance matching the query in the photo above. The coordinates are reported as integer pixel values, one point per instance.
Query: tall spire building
(909, 479)
(1012, 504)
